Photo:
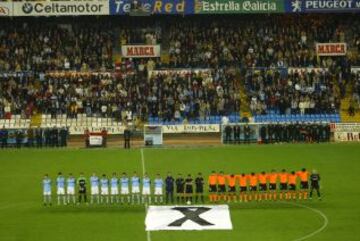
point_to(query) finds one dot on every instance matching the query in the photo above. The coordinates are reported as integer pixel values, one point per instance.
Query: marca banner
(201, 128)
(202, 217)
(6, 9)
(61, 8)
(318, 6)
(121, 7)
(140, 51)
(238, 6)
(331, 49)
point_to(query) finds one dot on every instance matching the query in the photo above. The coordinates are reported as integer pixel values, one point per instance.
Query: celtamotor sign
(61, 8)
(331, 49)
(140, 51)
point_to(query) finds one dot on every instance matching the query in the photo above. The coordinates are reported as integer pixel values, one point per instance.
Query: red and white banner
(331, 49)
(140, 51)
(346, 132)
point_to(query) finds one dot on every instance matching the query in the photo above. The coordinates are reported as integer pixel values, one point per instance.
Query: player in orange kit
(283, 184)
(262, 177)
(243, 187)
(212, 187)
(292, 185)
(232, 188)
(221, 180)
(273, 176)
(253, 186)
(304, 183)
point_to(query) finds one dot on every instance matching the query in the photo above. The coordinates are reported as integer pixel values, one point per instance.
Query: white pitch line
(148, 236)
(326, 221)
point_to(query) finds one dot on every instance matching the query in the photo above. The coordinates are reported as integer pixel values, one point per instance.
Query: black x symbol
(191, 215)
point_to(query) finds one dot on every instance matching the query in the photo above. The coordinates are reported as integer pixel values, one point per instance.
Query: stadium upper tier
(231, 65)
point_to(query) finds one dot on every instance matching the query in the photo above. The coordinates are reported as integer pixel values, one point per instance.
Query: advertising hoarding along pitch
(122, 7)
(325, 6)
(60, 8)
(238, 6)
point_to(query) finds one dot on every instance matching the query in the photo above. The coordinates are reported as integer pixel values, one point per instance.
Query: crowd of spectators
(169, 96)
(259, 41)
(249, 49)
(39, 46)
(298, 92)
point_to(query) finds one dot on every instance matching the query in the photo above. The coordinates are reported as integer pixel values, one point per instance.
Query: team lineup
(182, 189)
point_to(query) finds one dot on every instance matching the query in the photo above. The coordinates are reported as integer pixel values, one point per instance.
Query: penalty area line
(148, 235)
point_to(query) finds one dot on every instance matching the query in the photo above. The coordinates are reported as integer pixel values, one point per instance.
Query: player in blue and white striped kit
(124, 191)
(114, 190)
(70, 189)
(158, 188)
(94, 183)
(135, 188)
(60, 186)
(47, 190)
(146, 193)
(104, 188)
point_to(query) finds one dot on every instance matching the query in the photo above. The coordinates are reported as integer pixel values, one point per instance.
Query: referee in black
(189, 190)
(199, 188)
(127, 137)
(169, 187)
(180, 188)
(315, 184)
(82, 188)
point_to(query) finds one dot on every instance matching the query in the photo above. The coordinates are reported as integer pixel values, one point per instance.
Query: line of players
(258, 187)
(100, 193)
(263, 186)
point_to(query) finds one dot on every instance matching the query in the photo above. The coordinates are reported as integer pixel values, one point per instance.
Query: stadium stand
(245, 60)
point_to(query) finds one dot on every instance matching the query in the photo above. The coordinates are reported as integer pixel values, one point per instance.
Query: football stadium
(173, 120)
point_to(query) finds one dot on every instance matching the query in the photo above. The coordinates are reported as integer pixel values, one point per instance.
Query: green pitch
(23, 218)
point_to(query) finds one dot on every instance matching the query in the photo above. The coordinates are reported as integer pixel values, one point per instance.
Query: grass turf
(23, 218)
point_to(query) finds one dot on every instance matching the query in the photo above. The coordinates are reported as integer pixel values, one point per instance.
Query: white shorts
(70, 191)
(104, 191)
(60, 191)
(114, 191)
(94, 190)
(158, 191)
(124, 190)
(135, 190)
(146, 191)
(47, 193)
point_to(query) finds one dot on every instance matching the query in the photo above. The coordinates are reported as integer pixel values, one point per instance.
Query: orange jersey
(304, 176)
(231, 181)
(212, 179)
(292, 178)
(253, 180)
(283, 177)
(243, 180)
(273, 178)
(221, 179)
(262, 178)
